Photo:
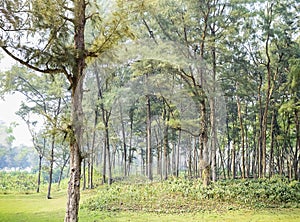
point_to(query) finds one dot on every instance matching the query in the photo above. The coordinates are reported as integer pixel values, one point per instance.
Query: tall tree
(49, 37)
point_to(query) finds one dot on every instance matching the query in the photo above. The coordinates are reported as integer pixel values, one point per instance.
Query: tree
(44, 97)
(59, 29)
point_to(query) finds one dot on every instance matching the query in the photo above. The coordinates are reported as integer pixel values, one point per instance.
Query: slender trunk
(92, 153)
(233, 155)
(195, 155)
(158, 156)
(268, 99)
(213, 140)
(84, 173)
(271, 161)
(205, 165)
(124, 140)
(242, 135)
(104, 161)
(51, 167)
(261, 135)
(108, 157)
(166, 117)
(297, 147)
(213, 107)
(248, 155)
(166, 144)
(86, 153)
(228, 148)
(149, 148)
(178, 154)
(62, 170)
(130, 155)
(39, 174)
(190, 160)
(173, 161)
(222, 162)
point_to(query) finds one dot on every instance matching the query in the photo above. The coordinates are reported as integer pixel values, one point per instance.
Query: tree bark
(149, 148)
(75, 158)
(62, 170)
(76, 81)
(243, 169)
(204, 162)
(166, 117)
(39, 174)
(297, 146)
(51, 167)
(124, 140)
(233, 155)
(178, 154)
(92, 154)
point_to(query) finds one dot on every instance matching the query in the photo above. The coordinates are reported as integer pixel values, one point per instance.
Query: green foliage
(17, 182)
(182, 196)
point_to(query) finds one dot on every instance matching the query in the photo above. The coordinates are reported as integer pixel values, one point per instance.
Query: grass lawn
(36, 208)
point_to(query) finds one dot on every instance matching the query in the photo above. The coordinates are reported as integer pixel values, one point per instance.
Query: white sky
(9, 106)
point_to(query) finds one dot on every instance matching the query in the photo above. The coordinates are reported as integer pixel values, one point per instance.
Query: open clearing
(36, 208)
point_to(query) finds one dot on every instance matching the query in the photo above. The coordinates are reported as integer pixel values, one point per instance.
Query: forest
(164, 89)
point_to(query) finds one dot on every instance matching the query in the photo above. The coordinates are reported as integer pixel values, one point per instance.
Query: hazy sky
(9, 106)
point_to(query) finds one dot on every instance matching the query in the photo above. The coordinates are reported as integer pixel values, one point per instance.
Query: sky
(9, 106)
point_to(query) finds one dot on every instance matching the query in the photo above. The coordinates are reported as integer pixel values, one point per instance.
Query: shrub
(183, 195)
(20, 182)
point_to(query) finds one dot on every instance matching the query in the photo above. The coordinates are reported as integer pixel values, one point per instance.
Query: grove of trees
(201, 88)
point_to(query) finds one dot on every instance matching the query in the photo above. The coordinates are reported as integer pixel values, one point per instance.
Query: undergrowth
(17, 182)
(184, 196)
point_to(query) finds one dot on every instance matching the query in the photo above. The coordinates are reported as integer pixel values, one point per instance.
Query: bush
(182, 195)
(20, 182)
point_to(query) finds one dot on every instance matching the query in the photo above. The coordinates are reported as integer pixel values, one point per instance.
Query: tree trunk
(62, 170)
(297, 152)
(124, 140)
(104, 161)
(92, 153)
(130, 154)
(195, 161)
(204, 162)
(213, 122)
(166, 117)
(271, 161)
(178, 154)
(75, 156)
(76, 81)
(149, 148)
(242, 135)
(51, 167)
(233, 155)
(260, 137)
(84, 173)
(109, 160)
(39, 174)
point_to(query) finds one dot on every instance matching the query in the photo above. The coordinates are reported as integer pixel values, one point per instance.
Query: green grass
(172, 200)
(36, 208)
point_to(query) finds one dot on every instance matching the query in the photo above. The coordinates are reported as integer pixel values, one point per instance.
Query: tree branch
(50, 71)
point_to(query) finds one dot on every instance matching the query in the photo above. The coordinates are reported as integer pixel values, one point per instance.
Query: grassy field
(36, 208)
(174, 200)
